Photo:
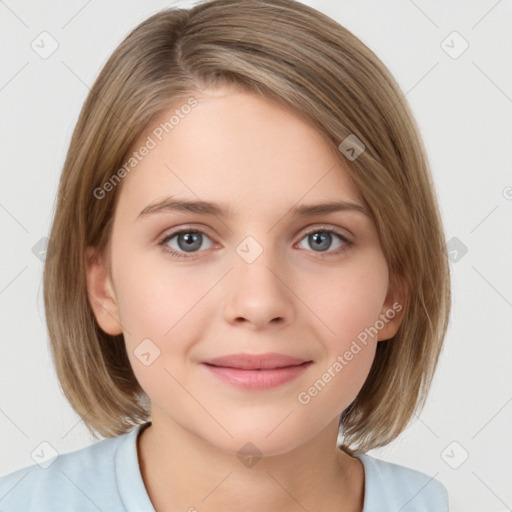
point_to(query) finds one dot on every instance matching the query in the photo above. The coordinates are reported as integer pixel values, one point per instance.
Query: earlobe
(101, 294)
(393, 308)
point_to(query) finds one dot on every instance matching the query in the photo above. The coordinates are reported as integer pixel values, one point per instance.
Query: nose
(258, 293)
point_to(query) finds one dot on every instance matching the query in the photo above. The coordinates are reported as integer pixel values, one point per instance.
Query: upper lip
(255, 361)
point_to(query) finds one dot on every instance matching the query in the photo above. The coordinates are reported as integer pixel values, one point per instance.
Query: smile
(256, 371)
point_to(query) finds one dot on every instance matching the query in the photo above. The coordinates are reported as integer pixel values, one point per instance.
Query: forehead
(238, 149)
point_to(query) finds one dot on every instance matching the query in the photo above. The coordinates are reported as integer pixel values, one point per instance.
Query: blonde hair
(292, 54)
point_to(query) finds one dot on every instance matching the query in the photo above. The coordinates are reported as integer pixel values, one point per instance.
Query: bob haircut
(292, 54)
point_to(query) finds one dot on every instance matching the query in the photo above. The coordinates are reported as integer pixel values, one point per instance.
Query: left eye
(321, 239)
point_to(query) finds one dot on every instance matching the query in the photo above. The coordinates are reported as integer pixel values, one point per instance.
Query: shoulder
(83, 479)
(401, 488)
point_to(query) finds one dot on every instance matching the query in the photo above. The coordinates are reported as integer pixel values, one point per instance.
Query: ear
(101, 293)
(393, 308)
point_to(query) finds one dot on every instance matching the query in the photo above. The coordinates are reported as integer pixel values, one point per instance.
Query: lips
(256, 361)
(256, 372)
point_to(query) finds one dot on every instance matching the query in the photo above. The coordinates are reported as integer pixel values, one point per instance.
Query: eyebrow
(210, 208)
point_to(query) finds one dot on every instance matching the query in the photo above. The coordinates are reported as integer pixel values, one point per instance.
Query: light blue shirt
(106, 477)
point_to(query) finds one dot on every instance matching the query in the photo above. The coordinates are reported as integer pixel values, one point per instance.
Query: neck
(184, 472)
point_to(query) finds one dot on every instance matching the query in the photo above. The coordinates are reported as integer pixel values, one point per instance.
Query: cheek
(350, 310)
(163, 313)
(349, 301)
(158, 315)
(156, 301)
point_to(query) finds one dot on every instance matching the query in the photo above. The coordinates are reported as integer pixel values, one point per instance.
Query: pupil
(191, 241)
(322, 239)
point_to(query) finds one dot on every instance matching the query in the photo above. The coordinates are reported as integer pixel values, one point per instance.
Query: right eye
(187, 241)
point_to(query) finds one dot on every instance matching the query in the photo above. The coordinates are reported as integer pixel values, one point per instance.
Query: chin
(254, 440)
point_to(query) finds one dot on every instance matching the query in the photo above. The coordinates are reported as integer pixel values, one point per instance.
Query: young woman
(247, 261)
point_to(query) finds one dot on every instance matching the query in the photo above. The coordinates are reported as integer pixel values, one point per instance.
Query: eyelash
(178, 255)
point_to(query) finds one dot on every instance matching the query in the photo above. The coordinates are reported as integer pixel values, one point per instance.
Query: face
(263, 276)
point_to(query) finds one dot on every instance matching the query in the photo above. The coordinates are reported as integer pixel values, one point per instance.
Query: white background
(464, 110)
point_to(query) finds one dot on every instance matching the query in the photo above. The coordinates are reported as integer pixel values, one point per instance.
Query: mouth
(268, 361)
(256, 372)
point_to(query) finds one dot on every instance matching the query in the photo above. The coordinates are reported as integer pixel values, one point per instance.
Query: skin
(261, 160)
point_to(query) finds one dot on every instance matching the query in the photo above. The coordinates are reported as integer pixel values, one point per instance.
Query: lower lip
(258, 379)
